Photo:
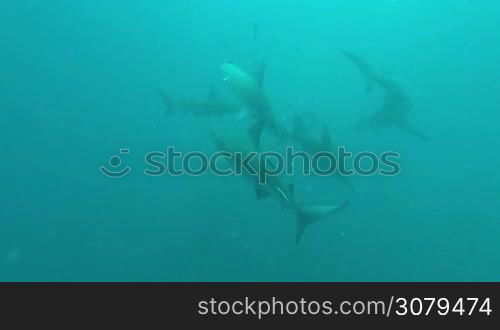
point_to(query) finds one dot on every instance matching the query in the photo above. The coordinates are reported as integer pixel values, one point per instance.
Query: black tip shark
(397, 103)
(274, 186)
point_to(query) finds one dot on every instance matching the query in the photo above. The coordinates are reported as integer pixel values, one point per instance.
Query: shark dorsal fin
(260, 73)
(326, 140)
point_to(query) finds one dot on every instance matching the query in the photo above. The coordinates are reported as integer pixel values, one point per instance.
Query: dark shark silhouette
(302, 135)
(397, 103)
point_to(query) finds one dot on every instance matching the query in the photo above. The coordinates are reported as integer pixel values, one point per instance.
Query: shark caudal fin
(307, 215)
(410, 129)
(169, 103)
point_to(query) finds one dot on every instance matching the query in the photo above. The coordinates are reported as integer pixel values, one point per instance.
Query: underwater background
(80, 81)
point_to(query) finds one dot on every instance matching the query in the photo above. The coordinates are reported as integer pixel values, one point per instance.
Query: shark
(275, 186)
(302, 135)
(248, 89)
(396, 106)
(212, 106)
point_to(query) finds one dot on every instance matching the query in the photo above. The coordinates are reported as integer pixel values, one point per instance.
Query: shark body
(249, 91)
(209, 107)
(302, 135)
(397, 104)
(274, 186)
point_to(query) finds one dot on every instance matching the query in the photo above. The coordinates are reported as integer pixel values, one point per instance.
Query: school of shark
(253, 105)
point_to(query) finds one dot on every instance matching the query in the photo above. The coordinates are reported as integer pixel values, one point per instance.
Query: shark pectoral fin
(261, 193)
(256, 131)
(410, 129)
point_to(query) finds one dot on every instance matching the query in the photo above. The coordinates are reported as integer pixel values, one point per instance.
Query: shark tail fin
(410, 129)
(169, 103)
(307, 215)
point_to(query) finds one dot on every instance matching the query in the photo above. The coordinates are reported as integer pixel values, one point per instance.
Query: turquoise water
(80, 81)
